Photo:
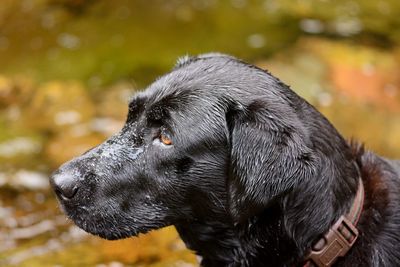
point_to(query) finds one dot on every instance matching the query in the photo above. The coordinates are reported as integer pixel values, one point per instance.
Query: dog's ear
(269, 155)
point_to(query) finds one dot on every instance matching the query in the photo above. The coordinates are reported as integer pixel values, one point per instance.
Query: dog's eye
(165, 139)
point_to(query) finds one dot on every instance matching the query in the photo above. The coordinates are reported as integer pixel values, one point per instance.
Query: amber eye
(165, 140)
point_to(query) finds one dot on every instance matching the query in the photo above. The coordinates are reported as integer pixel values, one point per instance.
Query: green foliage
(100, 42)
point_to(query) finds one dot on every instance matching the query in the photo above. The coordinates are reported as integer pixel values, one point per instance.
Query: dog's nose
(65, 185)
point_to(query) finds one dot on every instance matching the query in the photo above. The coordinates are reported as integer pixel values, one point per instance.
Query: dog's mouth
(109, 220)
(102, 223)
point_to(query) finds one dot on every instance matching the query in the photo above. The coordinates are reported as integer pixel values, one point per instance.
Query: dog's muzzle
(102, 161)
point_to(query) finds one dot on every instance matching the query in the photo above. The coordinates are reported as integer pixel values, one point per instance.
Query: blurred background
(68, 68)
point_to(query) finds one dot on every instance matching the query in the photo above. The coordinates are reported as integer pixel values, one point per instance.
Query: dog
(248, 172)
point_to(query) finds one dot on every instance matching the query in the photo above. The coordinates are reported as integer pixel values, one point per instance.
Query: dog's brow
(136, 104)
(157, 113)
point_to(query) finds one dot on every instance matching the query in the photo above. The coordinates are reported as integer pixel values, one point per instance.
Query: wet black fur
(254, 176)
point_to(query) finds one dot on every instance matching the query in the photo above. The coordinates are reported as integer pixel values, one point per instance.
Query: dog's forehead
(186, 60)
(201, 74)
(212, 77)
(204, 70)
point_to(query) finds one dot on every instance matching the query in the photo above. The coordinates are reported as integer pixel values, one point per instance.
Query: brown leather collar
(340, 237)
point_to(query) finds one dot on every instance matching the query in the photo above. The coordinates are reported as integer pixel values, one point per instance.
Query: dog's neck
(281, 235)
(261, 239)
(340, 238)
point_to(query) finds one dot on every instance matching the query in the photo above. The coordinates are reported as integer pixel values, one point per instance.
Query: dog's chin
(105, 228)
(111, 226)
(113, 234)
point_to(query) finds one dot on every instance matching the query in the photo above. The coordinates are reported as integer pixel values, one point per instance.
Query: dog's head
(213, 139)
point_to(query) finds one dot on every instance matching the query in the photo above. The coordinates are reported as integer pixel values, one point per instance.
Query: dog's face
(167, 164)
(215, 139)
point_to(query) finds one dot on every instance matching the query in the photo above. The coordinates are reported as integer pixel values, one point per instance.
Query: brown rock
(113, 102)
(15, 91)
(58, 105)
(363, 74)
(67, 145)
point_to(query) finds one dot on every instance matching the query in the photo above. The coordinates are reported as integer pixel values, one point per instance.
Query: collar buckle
(336, 243)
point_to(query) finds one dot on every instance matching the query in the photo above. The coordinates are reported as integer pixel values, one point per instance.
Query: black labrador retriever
(247, 171)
